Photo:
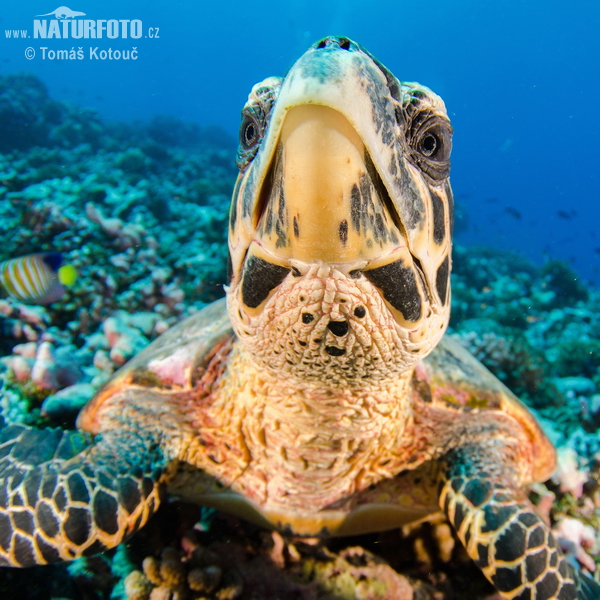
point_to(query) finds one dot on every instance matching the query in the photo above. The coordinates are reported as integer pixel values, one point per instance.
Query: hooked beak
(322, 182)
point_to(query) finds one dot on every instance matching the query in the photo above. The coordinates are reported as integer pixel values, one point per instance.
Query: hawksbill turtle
(320, 397)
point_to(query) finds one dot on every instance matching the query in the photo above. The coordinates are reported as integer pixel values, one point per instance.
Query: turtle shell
(452, 379)
(173, 362)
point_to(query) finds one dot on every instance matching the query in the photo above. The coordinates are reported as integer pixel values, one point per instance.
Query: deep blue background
(521, 80)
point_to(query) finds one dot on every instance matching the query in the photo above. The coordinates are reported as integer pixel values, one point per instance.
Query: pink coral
(567, 474)
(575, 538)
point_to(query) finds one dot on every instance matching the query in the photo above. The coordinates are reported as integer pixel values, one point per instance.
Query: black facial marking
(269, 220)
(338, 328)
(333, 351)
(450, 197)
(233, 210)
(343, 232)
(260, 277)
(399, 286)
(281, 235)
(248, 197)
(412, 207)
(355, 211)
(296, 227)
(307, 318)
(355, 274)
(380, 228)
(439, 227)
(441, 280)
(392, 82)
(360, 312)
(281, 206)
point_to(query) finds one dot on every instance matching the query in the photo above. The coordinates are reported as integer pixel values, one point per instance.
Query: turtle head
(340, 225)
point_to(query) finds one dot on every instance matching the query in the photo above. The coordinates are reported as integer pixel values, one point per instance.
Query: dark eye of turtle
(429, 144)
(429, 138)
(249, 132)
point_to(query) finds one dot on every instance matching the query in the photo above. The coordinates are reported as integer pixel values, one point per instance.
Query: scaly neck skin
(310, 445)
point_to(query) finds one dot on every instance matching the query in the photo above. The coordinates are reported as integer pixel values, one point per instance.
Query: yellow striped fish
(36, 278)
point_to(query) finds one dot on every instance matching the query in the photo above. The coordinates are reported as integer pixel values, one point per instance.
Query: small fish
(37, 278)
(563, 214)
(533, 319)
(513, 212)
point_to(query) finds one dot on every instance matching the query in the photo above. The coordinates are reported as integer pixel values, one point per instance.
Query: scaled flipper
(64, 495)
(501, 530)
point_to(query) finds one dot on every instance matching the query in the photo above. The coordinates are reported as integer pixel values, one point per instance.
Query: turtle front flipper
(501, 530)
(64, 494)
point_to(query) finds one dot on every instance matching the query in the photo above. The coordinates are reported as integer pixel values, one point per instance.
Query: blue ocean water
(521, 81)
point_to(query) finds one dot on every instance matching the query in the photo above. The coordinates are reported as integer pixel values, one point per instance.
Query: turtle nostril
(339, 328)
(332, 40)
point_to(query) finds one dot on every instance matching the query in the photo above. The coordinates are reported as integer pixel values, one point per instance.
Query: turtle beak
(324, 189)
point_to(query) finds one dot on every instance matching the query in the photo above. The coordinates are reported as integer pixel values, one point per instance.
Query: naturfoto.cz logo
(68, 24)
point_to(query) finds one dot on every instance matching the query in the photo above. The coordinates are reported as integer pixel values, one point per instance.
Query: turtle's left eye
(429, 145)
(249, 132)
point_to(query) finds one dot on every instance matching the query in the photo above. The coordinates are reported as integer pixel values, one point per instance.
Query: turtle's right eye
(252, 131)
(249, 132)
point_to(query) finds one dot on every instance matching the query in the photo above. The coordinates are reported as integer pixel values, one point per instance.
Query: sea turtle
(320, 397)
